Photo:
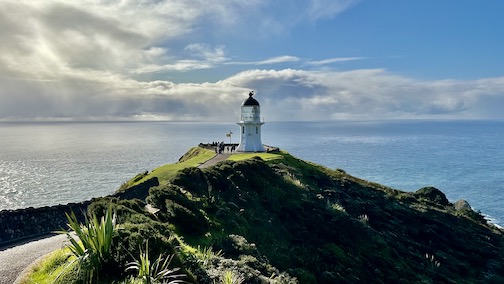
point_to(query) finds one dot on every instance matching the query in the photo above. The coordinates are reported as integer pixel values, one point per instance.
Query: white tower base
(250, 139)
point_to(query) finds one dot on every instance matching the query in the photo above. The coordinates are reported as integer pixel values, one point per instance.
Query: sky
(198, 60)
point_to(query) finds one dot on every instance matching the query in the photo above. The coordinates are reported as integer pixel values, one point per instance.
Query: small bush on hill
(432, 194)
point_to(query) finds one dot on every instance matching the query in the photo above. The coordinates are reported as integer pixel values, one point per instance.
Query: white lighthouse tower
(250, 124)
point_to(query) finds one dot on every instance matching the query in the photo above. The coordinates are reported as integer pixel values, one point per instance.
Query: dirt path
(16, 257)
(217, 158)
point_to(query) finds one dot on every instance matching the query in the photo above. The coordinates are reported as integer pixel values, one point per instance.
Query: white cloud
(333, 60)
(45, 39)
(322, 9)
(370, 94)
(209, 58)
(206, 52)
(206, 57)
(283, 94)
(180, 65)
(273, 60)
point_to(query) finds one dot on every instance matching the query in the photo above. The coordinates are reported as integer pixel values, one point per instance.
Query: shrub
(190, 222)
(159, 194)
(128, 241)
(432, 194)
(193, 179)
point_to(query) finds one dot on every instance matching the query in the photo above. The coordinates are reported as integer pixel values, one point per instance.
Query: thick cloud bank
(73, 60)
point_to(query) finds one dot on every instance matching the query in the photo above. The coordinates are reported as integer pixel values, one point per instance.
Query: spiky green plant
(92, 242)
(206, 255)
(158, 271)
(230, 277)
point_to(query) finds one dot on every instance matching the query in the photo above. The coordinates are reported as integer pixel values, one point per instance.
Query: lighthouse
(250, 124)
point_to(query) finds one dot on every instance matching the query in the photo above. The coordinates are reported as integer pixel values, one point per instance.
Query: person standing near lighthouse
(250, 124)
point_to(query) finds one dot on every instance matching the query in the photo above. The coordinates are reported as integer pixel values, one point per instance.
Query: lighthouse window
(257, 129)
(243, 129)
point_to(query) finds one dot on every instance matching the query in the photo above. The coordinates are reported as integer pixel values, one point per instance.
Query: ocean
(45, 164)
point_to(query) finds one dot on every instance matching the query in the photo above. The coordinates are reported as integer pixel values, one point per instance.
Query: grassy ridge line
(193, 158)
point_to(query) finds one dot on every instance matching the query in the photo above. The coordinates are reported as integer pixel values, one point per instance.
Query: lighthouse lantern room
(250, 124)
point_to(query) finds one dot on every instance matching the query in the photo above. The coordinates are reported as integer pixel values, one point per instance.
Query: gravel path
(217, 158)
(15, 258)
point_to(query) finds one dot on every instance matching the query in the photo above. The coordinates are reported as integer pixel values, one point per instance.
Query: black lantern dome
(250, 101)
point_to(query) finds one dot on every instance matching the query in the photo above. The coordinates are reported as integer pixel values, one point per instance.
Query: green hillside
(285, 220)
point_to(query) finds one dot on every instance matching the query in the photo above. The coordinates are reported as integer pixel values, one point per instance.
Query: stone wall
(33, 222)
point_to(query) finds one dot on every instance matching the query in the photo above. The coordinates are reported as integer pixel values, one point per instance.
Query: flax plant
(230, 277)
(206, 255)
(92, 242)
(154, 272)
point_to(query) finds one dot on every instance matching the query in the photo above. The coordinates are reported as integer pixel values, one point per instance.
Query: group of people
(220, 147)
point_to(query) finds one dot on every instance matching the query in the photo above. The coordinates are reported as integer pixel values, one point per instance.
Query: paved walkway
(16, 257)
(217, 158)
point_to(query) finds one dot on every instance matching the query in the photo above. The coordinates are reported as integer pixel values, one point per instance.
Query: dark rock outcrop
(432, 194)
(462, 205)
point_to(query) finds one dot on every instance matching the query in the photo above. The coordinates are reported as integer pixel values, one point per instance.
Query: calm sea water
(53, 163)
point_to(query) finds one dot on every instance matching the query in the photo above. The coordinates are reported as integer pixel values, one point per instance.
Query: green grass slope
(193, 158)
(286, 220)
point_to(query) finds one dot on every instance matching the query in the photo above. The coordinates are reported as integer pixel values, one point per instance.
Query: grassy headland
(279, 219)
(193, 158)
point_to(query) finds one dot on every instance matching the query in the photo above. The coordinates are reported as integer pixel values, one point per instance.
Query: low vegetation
(279, 219)
(49, 268)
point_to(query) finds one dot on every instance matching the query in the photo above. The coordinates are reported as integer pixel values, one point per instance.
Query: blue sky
(306, 60)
